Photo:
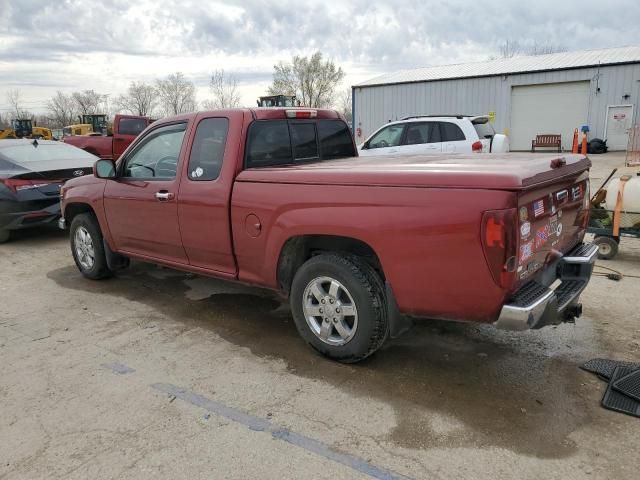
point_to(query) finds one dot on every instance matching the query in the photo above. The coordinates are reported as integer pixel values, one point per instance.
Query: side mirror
(104, 168)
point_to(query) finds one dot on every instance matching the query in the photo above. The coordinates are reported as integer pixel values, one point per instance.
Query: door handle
(164, 196)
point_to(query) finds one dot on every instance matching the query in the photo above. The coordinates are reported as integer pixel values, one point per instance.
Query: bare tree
(63, 109)
(513, 48)
(225, 91)
(15, 101)
(344, 104)
(176, 94)
(89, 101)
(140, 99)
(312, 80)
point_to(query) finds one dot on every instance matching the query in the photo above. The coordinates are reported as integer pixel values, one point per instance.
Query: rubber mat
(616, 401)
(604, 367)
(629, 385)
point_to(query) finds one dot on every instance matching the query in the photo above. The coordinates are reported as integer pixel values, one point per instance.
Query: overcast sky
(73, 44)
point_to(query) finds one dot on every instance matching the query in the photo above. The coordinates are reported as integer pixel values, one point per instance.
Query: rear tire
(607, 247)
(339, 307)
(5, 235)
(87, 247)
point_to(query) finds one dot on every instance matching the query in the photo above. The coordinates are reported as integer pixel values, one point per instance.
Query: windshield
(27, 152)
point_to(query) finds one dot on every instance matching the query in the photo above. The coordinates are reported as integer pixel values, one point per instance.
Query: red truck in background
(278, 198)
(125, 129)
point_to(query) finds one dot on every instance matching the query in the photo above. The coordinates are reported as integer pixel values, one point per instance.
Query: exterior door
(619, 119)
(453, 139)
(421, 138)
(141, 204)
(203, 200)
(385, 142)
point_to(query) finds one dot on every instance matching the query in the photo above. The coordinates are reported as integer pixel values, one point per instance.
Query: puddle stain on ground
(518, 391)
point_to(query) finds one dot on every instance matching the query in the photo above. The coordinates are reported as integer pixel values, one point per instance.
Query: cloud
(105, 45)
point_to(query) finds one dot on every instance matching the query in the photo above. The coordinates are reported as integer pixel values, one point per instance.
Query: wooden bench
(547, 140)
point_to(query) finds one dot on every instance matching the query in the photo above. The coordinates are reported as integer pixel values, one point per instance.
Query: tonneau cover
(510, 171)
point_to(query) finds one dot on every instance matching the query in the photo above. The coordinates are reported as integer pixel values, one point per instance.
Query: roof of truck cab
(511, 171)
(259, 113)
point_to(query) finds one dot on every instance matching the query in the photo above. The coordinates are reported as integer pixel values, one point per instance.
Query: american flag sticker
(538, 208)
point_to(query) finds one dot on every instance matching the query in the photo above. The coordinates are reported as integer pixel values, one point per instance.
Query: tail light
(17, 185)
(301, 113)
(500, 244)
(476, 147)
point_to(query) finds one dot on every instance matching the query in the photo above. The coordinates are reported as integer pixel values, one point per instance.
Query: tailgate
(552, 220)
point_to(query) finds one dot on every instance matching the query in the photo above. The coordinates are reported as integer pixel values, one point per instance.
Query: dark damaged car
(31, 174)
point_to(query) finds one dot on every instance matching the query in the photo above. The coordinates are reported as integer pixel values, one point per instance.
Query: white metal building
(528, 95)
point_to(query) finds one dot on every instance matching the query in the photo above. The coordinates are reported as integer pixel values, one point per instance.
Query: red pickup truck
(125, 130)
(278, 198)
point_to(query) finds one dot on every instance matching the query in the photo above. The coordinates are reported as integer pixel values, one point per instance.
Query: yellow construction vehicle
(77, 129)
(23, 128)
(7, 133)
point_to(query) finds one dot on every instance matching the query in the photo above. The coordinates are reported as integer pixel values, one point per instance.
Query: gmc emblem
(78, 173)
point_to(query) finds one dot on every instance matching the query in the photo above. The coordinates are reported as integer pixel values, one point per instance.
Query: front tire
(339, 307)
(87, 247)
(5, 235)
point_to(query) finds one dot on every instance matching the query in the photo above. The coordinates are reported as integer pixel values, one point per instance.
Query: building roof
(505, 66)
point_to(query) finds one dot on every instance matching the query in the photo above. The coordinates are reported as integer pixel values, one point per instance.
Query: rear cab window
(285, 142)
(131, 126)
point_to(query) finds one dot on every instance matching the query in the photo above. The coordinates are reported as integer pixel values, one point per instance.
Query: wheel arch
(74, 209)
(298, 249)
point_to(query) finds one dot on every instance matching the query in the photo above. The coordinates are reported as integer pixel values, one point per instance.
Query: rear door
(453, 138)
(140, 205)
(205, 192)
(421, 138)
(126, 129)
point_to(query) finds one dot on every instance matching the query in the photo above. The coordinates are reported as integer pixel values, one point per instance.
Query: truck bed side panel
(427, 239)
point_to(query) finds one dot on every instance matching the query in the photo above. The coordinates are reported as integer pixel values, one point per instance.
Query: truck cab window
(207, 151)
(335, 139)
(132, 126)
(157, 156)
(303, 139)
(269, 144)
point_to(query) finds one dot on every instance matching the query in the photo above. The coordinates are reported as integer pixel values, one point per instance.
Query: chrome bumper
(62, 224)
(536, 304)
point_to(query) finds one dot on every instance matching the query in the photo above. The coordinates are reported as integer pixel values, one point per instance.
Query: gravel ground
(159, 374)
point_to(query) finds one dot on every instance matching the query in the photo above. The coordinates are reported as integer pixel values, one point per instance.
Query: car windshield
(27, 152)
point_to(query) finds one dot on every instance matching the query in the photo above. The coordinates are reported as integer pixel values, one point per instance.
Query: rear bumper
(16, 216)
(538, 304)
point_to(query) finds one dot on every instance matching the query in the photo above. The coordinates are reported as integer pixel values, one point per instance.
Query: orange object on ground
(574, 145)
(584, 144)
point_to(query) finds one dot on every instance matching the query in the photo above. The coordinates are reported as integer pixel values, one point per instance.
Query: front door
(141, 204)
(385, 142)
(619, 119)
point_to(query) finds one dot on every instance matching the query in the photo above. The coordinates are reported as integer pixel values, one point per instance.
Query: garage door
(550, 108)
